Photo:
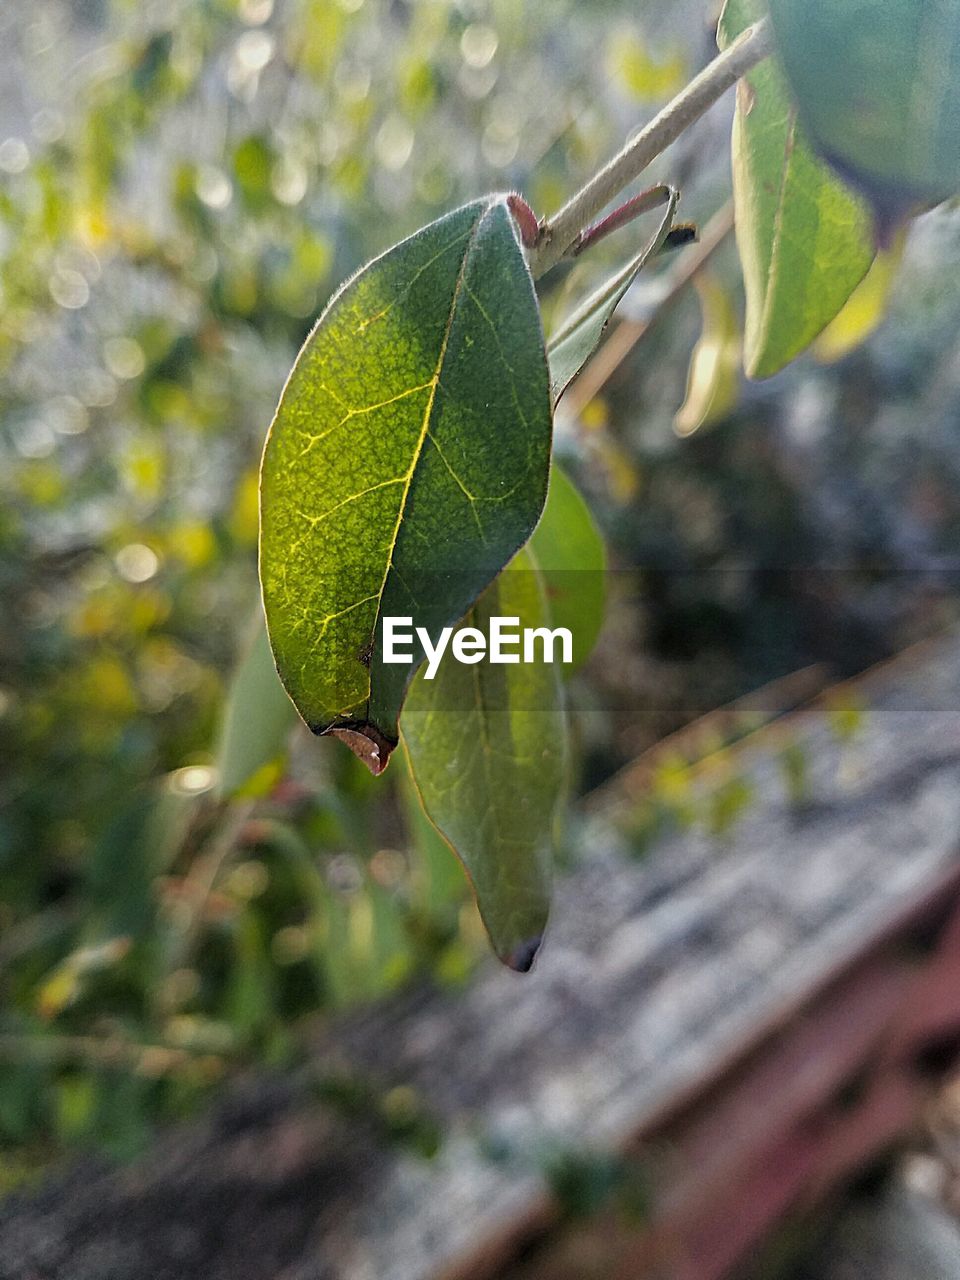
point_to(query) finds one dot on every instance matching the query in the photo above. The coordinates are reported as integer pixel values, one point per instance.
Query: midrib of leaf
(425, 425)
(486, 749)
(773, 273)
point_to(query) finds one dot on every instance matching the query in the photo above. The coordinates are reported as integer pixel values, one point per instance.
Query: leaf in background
(805, 241)
(865, 308)
(575, 341)
(713, 379)
(257, 722)
(120, 886)
(487, 748)
(71, 976)
(439, 884)
(407, 463)
(634, 68)
(572, 560)
(250, 995)
(878, 88)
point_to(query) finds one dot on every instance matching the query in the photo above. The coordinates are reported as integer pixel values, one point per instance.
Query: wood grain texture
(741, 1016)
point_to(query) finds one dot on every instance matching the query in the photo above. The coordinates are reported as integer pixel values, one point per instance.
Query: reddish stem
(652, 198)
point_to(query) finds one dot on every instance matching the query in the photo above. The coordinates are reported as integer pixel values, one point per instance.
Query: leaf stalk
(561, 232)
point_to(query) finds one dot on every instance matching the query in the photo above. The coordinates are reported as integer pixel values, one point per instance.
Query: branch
(559, 233)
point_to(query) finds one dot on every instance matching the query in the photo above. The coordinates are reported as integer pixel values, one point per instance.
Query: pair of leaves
(406, 465)
(408, 458)
(805, 240)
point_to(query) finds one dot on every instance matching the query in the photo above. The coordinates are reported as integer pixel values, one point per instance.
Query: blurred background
(182, 186)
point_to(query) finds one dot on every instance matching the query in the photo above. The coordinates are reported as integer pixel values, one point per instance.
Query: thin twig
(559, 233)
(630, 209)
(629, 332)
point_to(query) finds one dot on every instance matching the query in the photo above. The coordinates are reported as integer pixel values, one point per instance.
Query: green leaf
(572, 559)
(439, 882)
(576, 339)
(878, 88)
(257, 722)
(153, 820)
(805, 241)
(250, 996)
(407, 463)
(487, 749)
(865, 308)
(713, 378)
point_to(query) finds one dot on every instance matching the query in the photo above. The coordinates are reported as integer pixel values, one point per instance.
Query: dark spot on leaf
(523, 955)
(365, 655)
(681, 233)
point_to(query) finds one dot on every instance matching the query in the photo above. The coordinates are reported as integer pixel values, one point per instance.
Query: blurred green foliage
(189, 183)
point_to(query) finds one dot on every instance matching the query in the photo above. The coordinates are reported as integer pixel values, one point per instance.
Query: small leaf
(878, 88)
(257, 722)
(575, 341)
(407, 463)
(865, 308)
(487, 749)
(713, 379)
(572, 560)
(805, 241)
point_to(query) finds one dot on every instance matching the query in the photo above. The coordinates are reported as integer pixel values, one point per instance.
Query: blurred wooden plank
(739, 1024)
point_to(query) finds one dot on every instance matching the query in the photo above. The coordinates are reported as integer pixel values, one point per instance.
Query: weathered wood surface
(742, 1023)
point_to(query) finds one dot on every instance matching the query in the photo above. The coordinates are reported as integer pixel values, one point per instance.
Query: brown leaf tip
(521, 958)
(367, 743)
(526, 219)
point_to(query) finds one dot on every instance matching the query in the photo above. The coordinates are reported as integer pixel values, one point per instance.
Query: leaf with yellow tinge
(487, 750)
(865, 308)
(406, 464)
(805, 240)
(713, 379)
